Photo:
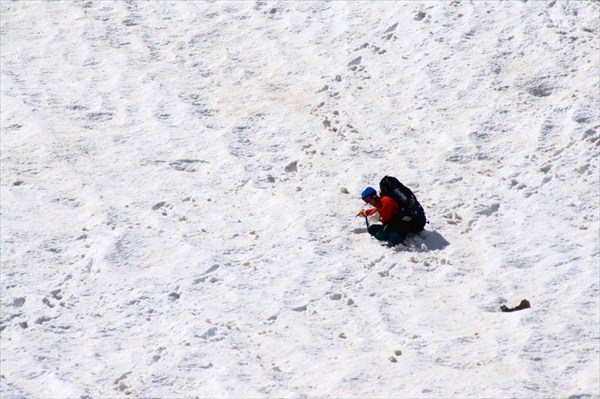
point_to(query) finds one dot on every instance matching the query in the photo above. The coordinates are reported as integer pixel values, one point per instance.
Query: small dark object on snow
(523, 305)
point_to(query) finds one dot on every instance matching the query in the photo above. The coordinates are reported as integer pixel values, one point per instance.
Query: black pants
(387, 233)
(396, 231)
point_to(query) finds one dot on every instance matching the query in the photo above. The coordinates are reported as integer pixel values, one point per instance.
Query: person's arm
(368, 212)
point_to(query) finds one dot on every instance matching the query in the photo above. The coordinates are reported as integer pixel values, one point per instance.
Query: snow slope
(179, 185)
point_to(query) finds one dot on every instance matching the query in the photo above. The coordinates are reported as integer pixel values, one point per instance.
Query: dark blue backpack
(412, 212)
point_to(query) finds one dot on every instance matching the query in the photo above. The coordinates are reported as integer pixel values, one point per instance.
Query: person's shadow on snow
(432, 239)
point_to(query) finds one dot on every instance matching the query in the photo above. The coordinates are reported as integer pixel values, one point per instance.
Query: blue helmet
(368, 192)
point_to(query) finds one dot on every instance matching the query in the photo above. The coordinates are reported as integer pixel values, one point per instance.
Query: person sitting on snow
(396, 221)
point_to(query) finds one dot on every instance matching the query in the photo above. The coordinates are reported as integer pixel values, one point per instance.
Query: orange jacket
(387, 208)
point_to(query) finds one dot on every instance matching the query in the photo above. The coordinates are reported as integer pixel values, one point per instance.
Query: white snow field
(180, 182)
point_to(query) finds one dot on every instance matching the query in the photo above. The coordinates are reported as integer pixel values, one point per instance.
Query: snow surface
(180, 182)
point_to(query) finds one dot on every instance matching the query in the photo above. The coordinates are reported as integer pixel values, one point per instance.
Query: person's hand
(362, 213)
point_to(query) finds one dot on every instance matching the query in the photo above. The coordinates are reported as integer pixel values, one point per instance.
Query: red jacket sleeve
(371, 211)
